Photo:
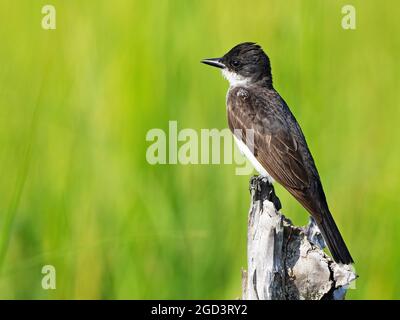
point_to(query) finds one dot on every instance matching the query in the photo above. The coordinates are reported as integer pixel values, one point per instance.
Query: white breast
(250, 156)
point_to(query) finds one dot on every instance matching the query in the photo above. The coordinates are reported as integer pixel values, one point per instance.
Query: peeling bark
(287, 262)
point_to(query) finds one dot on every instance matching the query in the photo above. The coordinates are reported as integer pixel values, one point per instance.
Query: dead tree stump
(287, 262)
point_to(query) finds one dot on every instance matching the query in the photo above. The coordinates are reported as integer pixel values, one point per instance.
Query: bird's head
(244, 64)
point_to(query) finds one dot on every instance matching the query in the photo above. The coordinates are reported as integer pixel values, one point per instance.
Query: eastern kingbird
(279, 150)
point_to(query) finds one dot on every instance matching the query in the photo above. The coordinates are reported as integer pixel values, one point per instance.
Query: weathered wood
(287, 262)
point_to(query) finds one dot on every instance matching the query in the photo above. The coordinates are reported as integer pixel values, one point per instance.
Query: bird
(278, 149)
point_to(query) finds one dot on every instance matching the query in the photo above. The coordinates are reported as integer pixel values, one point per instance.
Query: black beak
(215, 62)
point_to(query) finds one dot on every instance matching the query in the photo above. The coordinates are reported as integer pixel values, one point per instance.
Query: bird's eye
(236, 63)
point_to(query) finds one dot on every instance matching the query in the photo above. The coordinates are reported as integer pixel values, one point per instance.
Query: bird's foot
(262, 190)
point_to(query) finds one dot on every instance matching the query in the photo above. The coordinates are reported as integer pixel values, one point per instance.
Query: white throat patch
(234, 78)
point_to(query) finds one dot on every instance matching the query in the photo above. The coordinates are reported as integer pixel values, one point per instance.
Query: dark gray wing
(278, 143)
(280, 147)
(276, 147)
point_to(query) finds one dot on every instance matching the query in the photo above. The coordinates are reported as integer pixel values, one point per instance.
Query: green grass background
(76, 103)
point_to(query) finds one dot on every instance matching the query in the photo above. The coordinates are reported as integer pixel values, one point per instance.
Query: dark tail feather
(334, 239)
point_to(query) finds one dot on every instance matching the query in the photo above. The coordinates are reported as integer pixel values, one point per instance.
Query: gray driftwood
(286, 262)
